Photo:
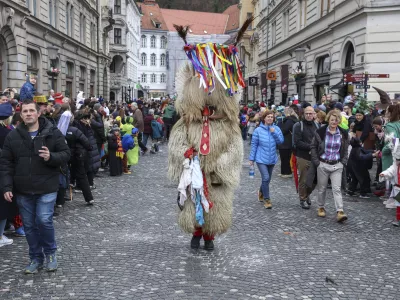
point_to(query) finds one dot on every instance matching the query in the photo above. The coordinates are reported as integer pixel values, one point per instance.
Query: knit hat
(322, 107)
(339, 106)
(97, 106)
(5, 110)
(135, 130)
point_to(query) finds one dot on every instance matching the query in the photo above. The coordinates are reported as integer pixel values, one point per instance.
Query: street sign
(378, 75)
(253, 81)
(271, 75)
(363, 86)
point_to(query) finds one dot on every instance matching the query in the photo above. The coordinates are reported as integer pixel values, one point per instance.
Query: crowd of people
(53, 148)
(329, 145)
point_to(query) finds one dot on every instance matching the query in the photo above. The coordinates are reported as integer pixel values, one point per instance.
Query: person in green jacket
(391, 128)
(168, 118)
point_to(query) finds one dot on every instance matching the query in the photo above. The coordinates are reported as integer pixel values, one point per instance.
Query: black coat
(365, 126)
(22, 170)
(93, 153)
(78, 143)
(7, 209)
(303, 139)
(287, 130)
(98, 129)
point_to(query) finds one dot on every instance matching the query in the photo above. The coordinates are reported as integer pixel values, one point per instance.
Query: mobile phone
(38, 143)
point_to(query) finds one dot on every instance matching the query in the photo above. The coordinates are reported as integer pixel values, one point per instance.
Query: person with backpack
(157, 132)
(303, 133)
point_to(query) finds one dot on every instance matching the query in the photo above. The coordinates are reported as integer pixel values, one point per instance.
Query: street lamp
(300, 52)
(129, 89)
(52, 53)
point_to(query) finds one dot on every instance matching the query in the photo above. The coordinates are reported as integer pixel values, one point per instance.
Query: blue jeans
(37, 216)
(266, 174)
(145, 138)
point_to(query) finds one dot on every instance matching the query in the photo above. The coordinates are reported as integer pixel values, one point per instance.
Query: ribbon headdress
(216, 62)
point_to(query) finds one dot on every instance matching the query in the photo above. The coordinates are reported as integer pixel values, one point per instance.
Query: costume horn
(242, 30)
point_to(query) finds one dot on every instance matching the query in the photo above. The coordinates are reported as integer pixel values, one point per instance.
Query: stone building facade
(124, 50)
(338, 36)
(32, 30)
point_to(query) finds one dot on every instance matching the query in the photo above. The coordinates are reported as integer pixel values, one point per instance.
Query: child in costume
(131, 149)
(209, 124)
(115, 151)
(392, 174)
(28, 89)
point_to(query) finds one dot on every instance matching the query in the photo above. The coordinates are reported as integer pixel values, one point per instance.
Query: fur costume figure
(209, 125)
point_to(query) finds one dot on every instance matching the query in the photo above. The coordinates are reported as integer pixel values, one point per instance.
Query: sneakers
(101, 170)
(304, 204)
(209, 245)
(364, 196)
(350, 193)
(321, 212)
(20, 232)
(77, 191)
(396, 223)
(260, 196)
(128, 173)
(308, 200)
(10, 229)
(268, 204)
(33, 267)
(4, 241)
(93, 187)
(51, 263)
(91, 202)
(341, 216)
(195, 242)
(390, 203)
(287, 176)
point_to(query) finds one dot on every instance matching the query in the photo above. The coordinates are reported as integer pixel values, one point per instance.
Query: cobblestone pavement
(128, 246)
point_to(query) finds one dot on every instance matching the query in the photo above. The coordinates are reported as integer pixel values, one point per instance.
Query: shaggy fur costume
(224, 162)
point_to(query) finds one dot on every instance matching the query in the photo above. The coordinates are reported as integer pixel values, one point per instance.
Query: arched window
(153, 60)
(162, 60)
(163, 78)
(144, 59)
(163, 42)
(324, 64)
(144, 78)
(144, 41)
(153, 78)
(349, 62)
(153, 42)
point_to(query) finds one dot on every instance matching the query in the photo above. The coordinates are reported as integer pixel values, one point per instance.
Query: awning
(338, 85)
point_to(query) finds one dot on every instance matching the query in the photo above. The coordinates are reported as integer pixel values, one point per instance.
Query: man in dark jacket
(29, 169)
(303, 133)
(98, 126)
(139, 124)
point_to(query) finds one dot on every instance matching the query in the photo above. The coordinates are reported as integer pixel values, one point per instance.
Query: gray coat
(318, 148)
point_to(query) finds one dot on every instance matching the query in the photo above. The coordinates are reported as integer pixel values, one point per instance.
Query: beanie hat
(5, 110)
(135, 130)
(97, 106)
(339, 106)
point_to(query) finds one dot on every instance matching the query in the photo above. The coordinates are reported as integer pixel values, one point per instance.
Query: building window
(285, 24)
(51, 12)
(273, 33)
(144, 41)
(143, 79)
(70, 70)
(163, 42)
(163, 78)
(153, 78)
(153, 60)
(324, 64)
(69, 19)
(92, 92)
(117, 7)
(157, 25)
(32, 61)
(162, 60)
(117, 36)
(83, 28)
(82, 78)
(249, 16)
(153, 42)
(93, 36)
(144, 59)
(349, 62)
(68, 88)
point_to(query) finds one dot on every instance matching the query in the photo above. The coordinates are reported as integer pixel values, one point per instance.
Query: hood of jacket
(45, 128)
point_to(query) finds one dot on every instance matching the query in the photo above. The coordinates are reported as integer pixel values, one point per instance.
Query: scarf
(120, 152)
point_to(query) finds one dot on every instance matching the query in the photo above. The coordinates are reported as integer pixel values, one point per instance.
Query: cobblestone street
(128, 246)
